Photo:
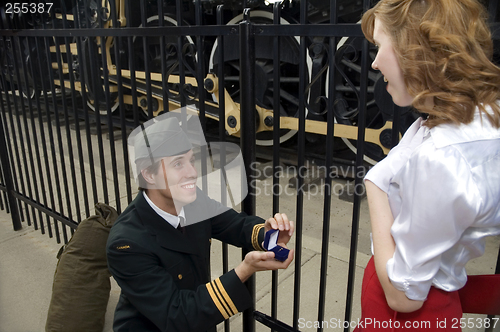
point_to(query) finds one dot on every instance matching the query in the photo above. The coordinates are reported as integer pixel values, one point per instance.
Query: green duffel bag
(81, 287)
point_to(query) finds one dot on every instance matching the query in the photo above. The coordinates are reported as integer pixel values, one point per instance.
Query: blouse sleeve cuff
(414, 290)
(380, 176)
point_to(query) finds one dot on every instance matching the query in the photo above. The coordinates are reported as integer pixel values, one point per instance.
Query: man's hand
(260, 261)
(281, 222)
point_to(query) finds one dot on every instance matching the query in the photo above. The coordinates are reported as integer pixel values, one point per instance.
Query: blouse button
(179, 276)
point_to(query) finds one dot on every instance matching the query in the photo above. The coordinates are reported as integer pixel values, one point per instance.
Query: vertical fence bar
(7, 177)
(133, 89)
(36, 136)
(325, 240)
(71, 70)
(94, 83)
(55, 109)
(221, 82)
(3, 190)
(222, 123)
(164, 83)
(22, 114)
(83, 53)
(121, 109)
(493, 12)
(45, 107)
(4, 91)
(99, 84)
(29, 143)
(396, 125)
(59, 135)
(276, 144)
(6, 171)
(222, 130)
(111, 109)
(3, 197)
(200, 72)
(200, 66)
(248, 135)
(80, 56)
(180, 55)
(9, 124)
(301, 137)
(147, 70)
(7, 109)
(358, 179)
(17, 135)
(133, 85)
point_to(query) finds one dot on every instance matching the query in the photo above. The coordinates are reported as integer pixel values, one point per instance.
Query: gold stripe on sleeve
(226, 297)
(221, 299)
(255, 237)
(216, 300)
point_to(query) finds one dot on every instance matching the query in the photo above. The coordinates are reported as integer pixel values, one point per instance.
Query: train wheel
(95, 14)
(35, 56)
(5, 67)
(153, 55)
(96, 90)
(12, 62)
(379, 102)
(289, 69)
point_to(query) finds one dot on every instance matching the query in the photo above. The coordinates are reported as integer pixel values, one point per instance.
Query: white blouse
(443, 186)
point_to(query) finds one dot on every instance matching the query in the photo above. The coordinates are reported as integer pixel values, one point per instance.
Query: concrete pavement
(28, 261)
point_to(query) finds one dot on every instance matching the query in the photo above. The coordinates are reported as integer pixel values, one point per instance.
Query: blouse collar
(479, 129)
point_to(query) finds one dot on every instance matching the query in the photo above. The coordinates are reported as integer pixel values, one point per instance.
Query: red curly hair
(445, 51)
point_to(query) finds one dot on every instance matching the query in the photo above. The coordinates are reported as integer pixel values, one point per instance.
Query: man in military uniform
(159, 248)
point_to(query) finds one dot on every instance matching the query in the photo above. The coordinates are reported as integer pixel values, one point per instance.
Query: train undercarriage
(151, 70)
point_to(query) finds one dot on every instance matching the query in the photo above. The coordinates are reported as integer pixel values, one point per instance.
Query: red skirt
(441, 311)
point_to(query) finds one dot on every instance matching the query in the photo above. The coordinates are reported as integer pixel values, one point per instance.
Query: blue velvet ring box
(270, 244)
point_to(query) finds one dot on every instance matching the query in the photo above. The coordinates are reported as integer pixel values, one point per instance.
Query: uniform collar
(166, 235)
(479, 129)
(170, 218)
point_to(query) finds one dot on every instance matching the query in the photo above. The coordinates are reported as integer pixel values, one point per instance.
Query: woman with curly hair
(436, 196)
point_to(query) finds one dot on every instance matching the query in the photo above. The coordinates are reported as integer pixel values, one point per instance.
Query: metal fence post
(7, 176)
(248, 135)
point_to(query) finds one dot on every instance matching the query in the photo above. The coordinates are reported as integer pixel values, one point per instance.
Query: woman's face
(387, 62)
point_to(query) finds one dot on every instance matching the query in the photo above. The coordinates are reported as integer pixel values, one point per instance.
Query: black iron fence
(290, 82)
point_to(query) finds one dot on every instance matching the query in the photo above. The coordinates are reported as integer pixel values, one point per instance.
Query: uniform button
(179, 276)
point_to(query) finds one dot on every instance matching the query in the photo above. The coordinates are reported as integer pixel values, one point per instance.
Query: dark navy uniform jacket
(164, 275)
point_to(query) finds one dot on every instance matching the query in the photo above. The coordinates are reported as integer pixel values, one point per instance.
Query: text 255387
(27, 7)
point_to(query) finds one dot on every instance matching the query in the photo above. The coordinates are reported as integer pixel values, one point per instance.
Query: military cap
(164, 138)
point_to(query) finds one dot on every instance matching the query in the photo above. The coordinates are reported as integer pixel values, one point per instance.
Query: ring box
(270, 244)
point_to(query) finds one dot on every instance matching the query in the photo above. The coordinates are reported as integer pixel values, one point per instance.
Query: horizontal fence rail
(289, 82)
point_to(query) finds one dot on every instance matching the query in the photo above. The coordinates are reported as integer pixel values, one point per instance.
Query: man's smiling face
(177, 177)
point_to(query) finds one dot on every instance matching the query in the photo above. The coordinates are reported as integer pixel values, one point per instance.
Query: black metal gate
(290, 82)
